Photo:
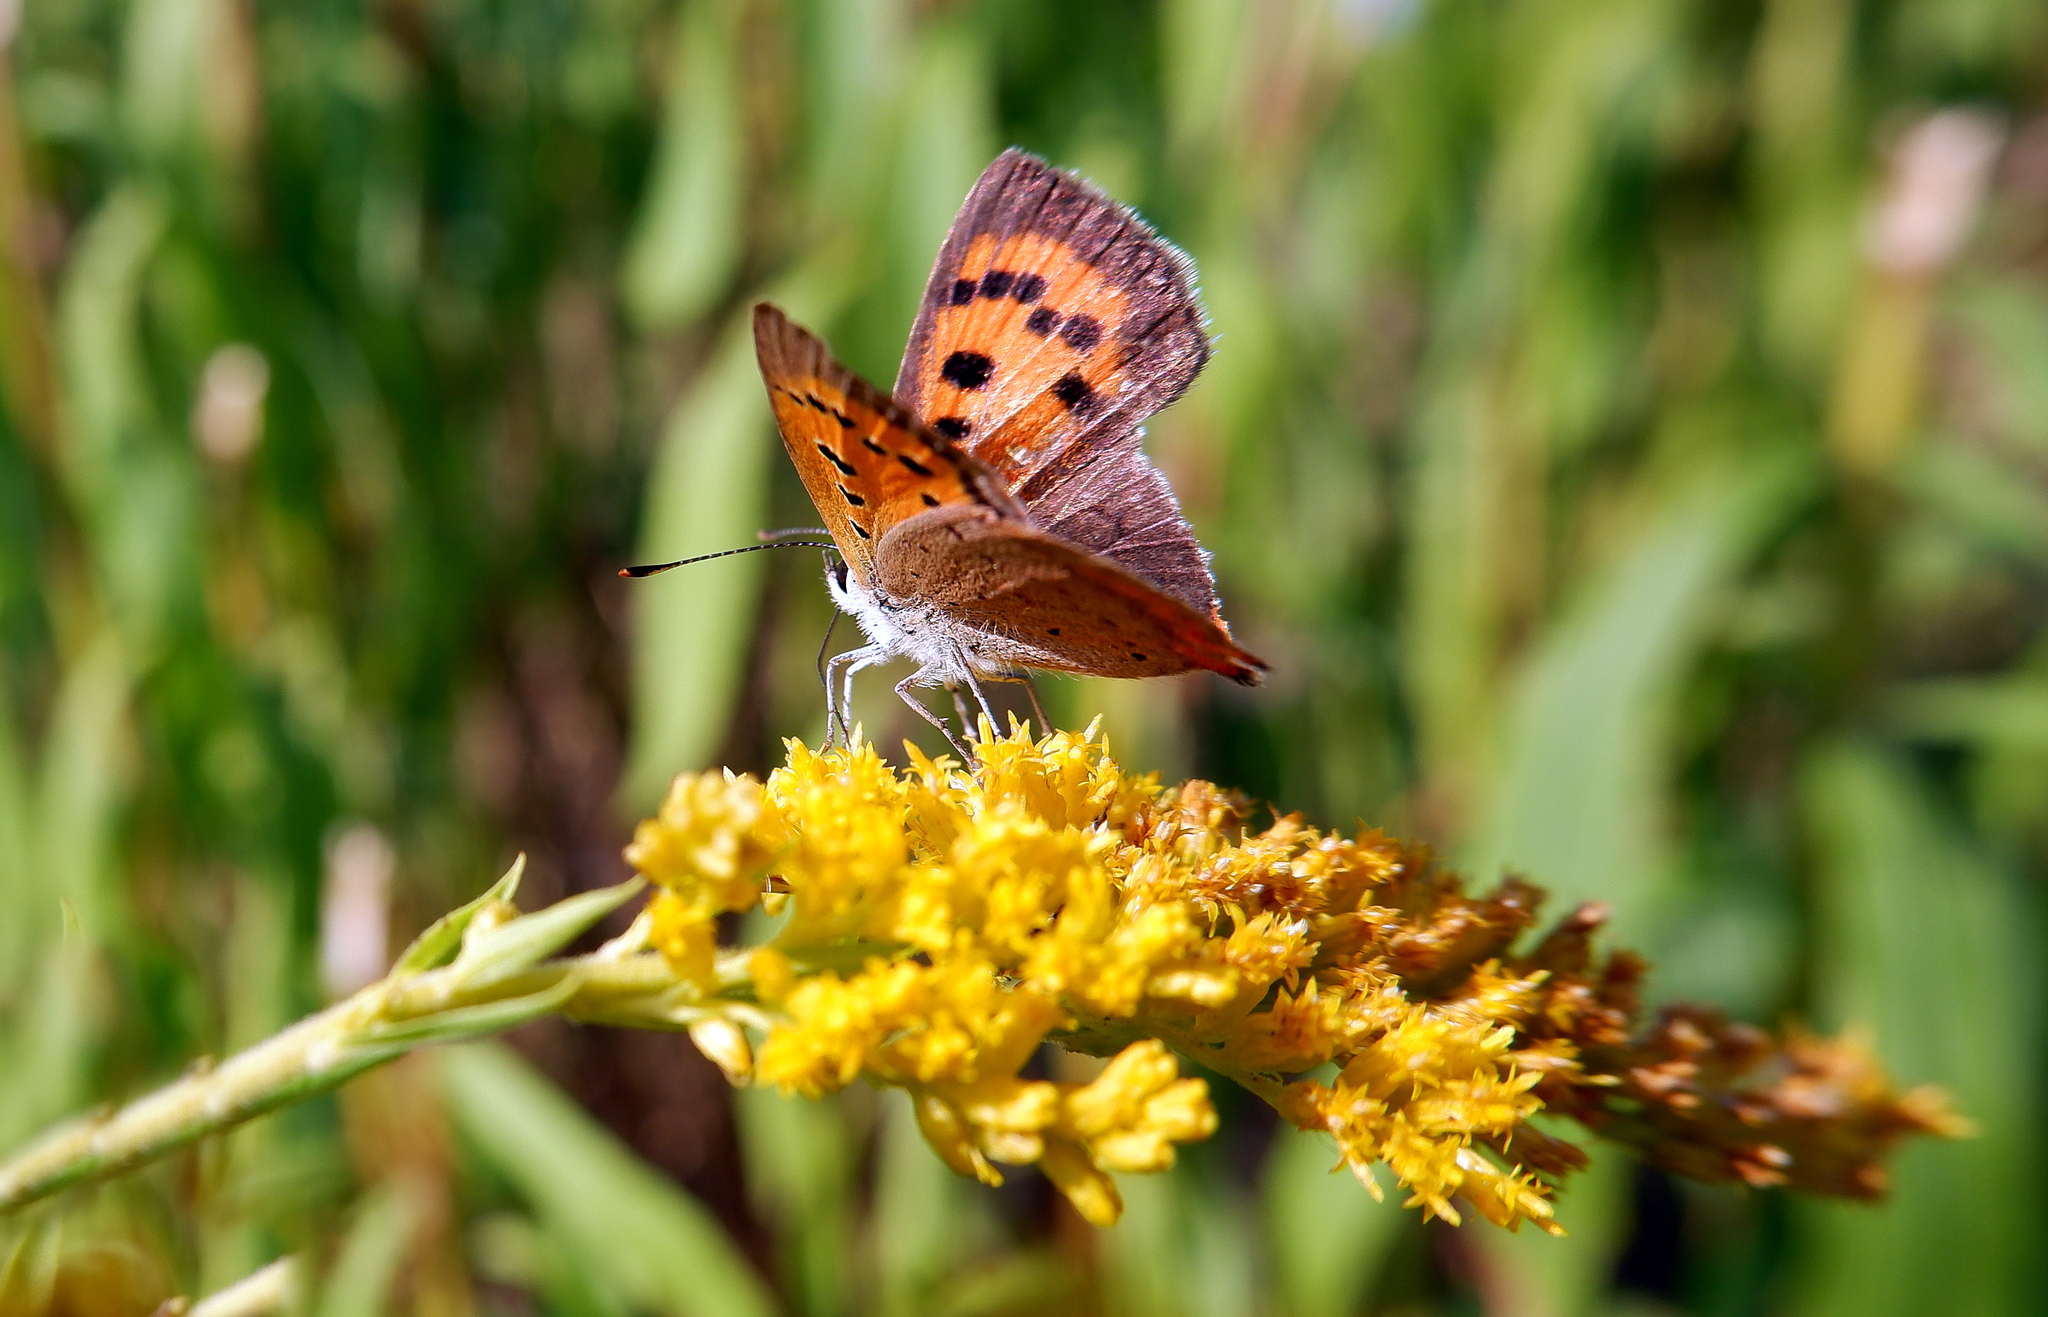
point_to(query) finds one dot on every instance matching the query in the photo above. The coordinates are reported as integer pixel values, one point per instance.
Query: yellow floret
(706, 843)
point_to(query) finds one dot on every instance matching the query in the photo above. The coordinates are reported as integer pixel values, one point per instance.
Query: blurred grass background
(1628, 439)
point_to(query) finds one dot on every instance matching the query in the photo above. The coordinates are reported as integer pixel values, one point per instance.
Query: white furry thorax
(942, 648)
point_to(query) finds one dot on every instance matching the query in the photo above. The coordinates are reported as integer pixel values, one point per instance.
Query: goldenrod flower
(708, 849)
(939, 925)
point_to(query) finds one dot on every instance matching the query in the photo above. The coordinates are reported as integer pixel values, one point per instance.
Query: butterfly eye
(836, 571)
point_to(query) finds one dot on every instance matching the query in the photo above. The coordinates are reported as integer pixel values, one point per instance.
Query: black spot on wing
(844, 468)
(995, 283)
(963, 291)
(858, 529)
(1074, 391)
(1082, 333)
(953, 427)
(1030, 287)
(915, 465)
(929, 501)
(851, 497)
(1042, 321)
(969, 370)
(873, 447)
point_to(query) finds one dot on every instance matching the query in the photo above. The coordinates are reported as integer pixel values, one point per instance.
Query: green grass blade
(1581, 794)
(373, 1250)
(1328, 1237)
(657, 1247)
(708, 490)
(685, 243)
(800, 1171)
(1927, 945)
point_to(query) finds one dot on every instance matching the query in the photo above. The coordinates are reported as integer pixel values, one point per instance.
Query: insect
(997, 514)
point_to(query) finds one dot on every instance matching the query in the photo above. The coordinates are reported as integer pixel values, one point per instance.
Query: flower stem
(259, 1294)
(311, 1057)
(484, 991)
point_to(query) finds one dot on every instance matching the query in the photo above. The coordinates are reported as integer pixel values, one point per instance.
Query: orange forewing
(1055, 321)
(1063, 338)
(865, 462)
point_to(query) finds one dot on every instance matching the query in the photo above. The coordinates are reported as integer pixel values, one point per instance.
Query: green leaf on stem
(522, 943)
(443, 938)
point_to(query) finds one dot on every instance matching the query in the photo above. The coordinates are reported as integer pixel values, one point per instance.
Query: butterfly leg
(1037, 709)
(844, 666)
(835, 720)
(981, 697)
(1031, 689)
(960, 708)
(903, 689)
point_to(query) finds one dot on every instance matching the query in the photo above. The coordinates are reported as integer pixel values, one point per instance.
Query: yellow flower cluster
(936, 926)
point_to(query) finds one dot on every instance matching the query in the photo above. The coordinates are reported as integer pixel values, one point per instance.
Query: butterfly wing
(1120, 506)
(865, 461)
(1054, 323)
(1059, 606)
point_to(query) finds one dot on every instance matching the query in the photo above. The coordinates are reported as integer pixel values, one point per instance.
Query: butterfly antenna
(789, 532)
(652, 569)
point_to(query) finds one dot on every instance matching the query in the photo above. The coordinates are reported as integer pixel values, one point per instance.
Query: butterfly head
(840, 583)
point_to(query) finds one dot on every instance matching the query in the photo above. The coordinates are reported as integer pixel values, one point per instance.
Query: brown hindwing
(1062, 607)
(867, 464)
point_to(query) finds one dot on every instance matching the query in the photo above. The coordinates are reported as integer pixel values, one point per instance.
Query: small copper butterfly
(998, 514)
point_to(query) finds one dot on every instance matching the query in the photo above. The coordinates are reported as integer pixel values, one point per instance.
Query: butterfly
(997, 514)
